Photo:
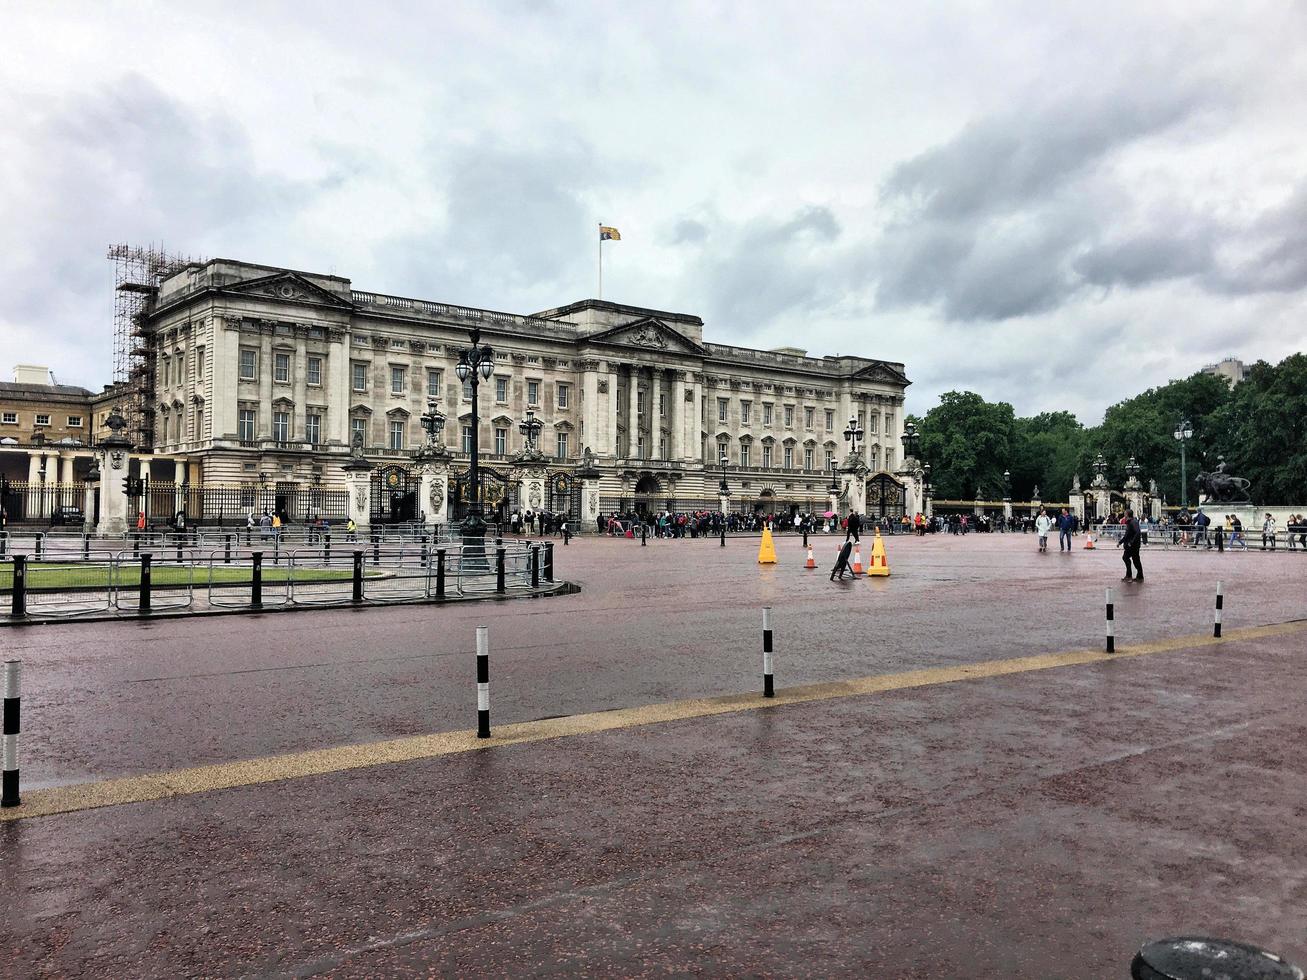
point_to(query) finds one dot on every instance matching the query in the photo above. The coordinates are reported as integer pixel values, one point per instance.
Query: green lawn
(42, 575)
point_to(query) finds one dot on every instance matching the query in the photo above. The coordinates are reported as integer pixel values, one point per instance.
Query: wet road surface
(1039, 824)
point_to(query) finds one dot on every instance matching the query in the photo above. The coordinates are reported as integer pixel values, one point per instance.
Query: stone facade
(262, 370)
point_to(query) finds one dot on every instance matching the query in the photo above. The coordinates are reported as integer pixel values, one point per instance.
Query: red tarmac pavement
(1040, 824)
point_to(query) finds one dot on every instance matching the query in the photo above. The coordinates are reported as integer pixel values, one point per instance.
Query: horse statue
(1221, 487)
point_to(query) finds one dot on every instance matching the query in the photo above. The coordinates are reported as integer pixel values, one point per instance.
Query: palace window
(467, 439)
(789, 457)
(313, 371)
(807, 460)
(766, 457)
(313, 428)
(281, 426)
(467, 390)
(281, 368)
(639, 402)
(397, 434)
(744, 454)
(9, 418)
(74, 421)
(501, 389)
(861, 420)
(830, 458)
(871, 424)
(398, 380)
(830, 420)
(662, 404)
(359, 376)
(789, 416)
(889, 424)
(746, 409)
(533, 392)
(433, 383)
(889, 459)
(358, 431)
(562, 395)
(807, 418)
(662, 447)
(501, 442)
(245, 425)
(639, 448)
(43, 419)
(722, 405)
(562, 445)
(766, 413)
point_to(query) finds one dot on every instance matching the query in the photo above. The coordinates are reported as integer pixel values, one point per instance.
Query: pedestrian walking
(1201, 523)
(1268, 532)
(1129, 544)
(853, 527)
(1042, 524)
(1065, 523)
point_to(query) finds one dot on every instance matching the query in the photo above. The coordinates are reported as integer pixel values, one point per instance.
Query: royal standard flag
(607, 234)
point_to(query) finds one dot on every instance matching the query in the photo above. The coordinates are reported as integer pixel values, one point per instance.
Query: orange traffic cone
(857, 559)
(1089, 540)
(811, 562)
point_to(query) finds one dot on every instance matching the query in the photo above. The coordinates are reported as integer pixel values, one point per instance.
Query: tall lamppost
(1183, 433)
(911, 442)
(723, 490)
(433, 422)
(475, 364)
(853, 435)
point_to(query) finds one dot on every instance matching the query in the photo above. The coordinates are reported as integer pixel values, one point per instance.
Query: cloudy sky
(1053, 208)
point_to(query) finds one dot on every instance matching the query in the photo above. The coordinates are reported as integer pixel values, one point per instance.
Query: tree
(1262, 431)
(968, 442)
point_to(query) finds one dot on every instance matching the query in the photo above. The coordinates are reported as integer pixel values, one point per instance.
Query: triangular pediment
(288, 287)
(880, 371)
(648, 334)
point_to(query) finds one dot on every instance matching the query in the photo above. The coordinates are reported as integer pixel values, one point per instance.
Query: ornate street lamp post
(530, 429)
(911, 442)
(853, 435)
(723, 489)
(434, 423)
(475, 364)
(1183, 433)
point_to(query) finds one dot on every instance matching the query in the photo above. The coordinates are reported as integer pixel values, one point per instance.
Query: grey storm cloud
(1007, 219)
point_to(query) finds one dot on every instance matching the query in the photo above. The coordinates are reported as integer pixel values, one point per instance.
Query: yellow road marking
(318, 762)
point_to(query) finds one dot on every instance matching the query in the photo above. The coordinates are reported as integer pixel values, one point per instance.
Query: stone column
(263, 420)
(632, 412)
(676, 417)
(358, 482)
(88, 499)
(614, 437)
(34, 463)
(66, 469)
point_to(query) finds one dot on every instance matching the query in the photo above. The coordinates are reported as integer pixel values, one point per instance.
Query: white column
(612, 409)
(676, 416)
(34, 463)
(592, 437)
(632, 415)
(338, 391)
(300, 367)
(66, 467)
(263, 422)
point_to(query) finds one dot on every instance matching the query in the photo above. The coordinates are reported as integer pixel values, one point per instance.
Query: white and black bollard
(1220, 604)
(768, 687)
(1111, 625)
(483, 682)
(13, 678)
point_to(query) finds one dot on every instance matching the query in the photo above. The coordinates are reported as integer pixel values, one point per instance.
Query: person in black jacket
(1130, 541)
(854, 525)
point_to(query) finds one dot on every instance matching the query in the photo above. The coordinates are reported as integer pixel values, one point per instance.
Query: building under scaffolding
(137, 274)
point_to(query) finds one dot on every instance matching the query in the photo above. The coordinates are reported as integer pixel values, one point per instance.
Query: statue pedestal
(113, 478)
(589, 476)
(855, 484)
(433, 487)
(358, 483)
(529, 472)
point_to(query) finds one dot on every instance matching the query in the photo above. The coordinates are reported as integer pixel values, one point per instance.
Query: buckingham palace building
(266, 381)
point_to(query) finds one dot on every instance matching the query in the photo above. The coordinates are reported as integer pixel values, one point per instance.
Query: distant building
(46, 429)
(1231, 369)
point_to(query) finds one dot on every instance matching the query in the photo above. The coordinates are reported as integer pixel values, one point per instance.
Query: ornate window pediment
(563, 426)
(361, 409)
(398, 413)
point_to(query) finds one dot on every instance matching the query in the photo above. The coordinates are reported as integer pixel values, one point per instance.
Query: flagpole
(601, 262)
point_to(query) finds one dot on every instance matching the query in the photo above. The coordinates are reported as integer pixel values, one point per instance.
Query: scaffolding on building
(137, 273)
